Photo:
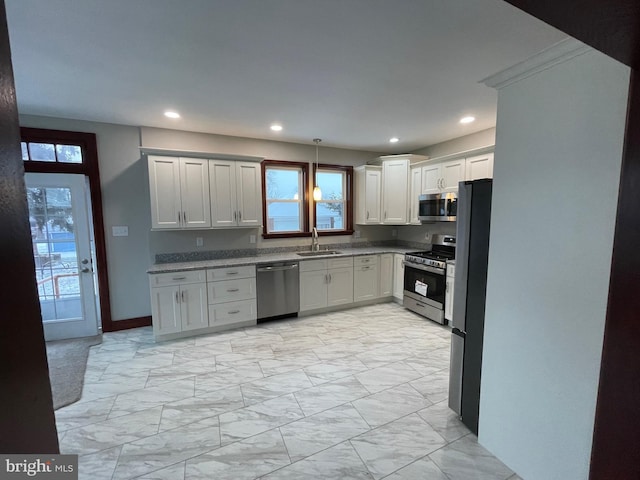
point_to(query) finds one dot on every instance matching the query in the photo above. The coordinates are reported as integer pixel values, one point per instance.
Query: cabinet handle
(326, 278)
(330, 278)
(385, 215)
(366, 268)
(230, 290)
(233, 312)
(447, 287)
(367, 215)
(235, 216)
(232, 273)
(179, 278)
(365, 260)
(239, 216)
(177, 298)
(185, 217)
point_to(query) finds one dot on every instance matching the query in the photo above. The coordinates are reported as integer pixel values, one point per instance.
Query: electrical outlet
(356, 234)
(427, 236)
(199, 241)
(252, 239)
(394, 232)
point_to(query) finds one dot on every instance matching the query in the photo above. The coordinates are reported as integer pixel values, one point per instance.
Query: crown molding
(555, 54)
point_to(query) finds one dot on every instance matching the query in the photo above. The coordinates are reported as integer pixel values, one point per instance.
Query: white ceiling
(352, 72)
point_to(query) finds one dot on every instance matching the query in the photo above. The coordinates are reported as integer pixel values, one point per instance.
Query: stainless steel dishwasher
(278, 289)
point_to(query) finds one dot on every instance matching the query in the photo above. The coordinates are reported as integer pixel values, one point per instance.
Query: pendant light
(317, 193)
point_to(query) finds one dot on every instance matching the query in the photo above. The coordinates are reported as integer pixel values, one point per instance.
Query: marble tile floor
(356, 394)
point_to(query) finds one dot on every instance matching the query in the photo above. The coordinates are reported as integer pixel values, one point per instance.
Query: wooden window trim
(88, 167)
(348, 217)
(304, 167)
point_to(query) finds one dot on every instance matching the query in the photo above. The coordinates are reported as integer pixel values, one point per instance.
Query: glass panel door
(61, 241)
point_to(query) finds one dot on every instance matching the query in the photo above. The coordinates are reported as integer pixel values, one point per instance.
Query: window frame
(348, 198)
(304, 201)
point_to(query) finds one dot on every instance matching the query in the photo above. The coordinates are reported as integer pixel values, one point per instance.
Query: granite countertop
(269, 258)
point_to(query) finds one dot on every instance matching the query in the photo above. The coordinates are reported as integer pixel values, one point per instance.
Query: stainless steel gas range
(425, 278)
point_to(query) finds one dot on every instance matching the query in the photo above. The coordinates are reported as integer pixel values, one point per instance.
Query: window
(50, 152)
(286, 209)
(333, 213)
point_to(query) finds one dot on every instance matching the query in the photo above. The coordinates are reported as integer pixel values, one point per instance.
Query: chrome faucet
(315, 245)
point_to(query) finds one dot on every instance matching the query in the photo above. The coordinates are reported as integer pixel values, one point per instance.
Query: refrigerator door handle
(463, 230)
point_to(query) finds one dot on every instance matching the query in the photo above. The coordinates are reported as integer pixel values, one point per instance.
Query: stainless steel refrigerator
(472, 253)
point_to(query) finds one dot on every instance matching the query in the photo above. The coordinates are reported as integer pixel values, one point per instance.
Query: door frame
(89, 168)
(87, 324)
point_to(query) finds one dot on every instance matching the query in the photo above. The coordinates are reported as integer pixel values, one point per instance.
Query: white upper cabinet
(179, 189)
(480, 166)
(415, 189)
(235, 193)
(368, 186)
(431, 178)
(452, 174)
(395, 191)
(442, 177)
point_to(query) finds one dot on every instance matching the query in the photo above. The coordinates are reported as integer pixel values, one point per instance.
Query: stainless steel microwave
(438, 207)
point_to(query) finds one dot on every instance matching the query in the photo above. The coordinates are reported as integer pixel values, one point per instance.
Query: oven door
(425, 284)
(438, 207)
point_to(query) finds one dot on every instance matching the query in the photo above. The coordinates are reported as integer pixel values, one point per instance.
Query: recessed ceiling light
(276, 127)
(394, 140)
(171, 114)
(468, 119)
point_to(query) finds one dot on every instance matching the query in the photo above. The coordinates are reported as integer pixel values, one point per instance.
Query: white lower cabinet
(326, 283)
(398, 275)
(365, 278)
(385, 271)
(178, 302)
(448, 296)
(232, 296)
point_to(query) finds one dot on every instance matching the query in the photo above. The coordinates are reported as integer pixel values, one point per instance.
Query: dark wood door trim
(613, 27)
(89, 168)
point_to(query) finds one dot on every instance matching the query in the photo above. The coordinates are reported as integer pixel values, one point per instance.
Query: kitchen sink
(318, 253)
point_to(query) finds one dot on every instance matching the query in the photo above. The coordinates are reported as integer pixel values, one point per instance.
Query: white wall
(556, 176)
(472, 141)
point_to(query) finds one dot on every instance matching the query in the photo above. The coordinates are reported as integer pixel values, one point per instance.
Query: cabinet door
(415, 189)
(452, 174)
(222, 184)
(365, 282)
(340, 286)
(194, 193)
(385, 282)
(431, 178)
(248, 194)
(479, 167)
(398, 275)
(373, 185)
(165, 310)
(313, 290)
(164, 187)
(395, 186)
(193, 306)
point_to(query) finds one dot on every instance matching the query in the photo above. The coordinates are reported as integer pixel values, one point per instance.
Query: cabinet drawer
(231, 290)
(365, 260)
(341, 262)
(313, 265)
(229, 273)
(232, 312)
(176, 278)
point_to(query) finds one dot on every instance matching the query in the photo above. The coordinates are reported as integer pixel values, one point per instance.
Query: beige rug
(67, 365)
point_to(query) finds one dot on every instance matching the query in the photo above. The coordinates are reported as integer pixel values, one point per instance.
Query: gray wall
(125, 201)
(473, 141)
(125, 195)
(556, 177)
